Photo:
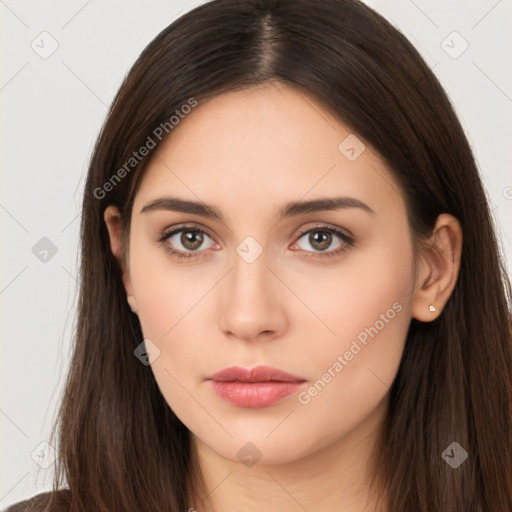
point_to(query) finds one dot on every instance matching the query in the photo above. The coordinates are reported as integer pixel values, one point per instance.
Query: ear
(438, 269)
(112, 219)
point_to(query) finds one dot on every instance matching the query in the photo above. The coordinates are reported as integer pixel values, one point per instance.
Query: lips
(255, 387)
(257, 374)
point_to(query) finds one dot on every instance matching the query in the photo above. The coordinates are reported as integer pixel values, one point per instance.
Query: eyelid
(328, 227)
(182, 227)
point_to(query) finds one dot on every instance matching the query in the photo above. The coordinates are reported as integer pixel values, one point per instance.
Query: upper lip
(256, 374)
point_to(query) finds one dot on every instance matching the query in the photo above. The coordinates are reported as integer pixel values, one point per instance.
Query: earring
(432, 308)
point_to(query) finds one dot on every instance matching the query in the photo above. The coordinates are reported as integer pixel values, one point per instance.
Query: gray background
(52, 109)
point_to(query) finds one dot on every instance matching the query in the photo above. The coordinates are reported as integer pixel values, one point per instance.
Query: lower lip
(254, 394)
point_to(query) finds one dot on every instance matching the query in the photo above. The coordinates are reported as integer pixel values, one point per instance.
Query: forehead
(263, 146)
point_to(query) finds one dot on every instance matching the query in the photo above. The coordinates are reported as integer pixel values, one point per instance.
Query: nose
(252, 302)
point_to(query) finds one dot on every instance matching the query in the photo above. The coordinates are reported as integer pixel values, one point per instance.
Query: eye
(321, 238)
(188, 240)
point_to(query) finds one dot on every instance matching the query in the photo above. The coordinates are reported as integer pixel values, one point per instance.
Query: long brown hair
(121, 447)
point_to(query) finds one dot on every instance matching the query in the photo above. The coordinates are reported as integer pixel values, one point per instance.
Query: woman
(291, 291)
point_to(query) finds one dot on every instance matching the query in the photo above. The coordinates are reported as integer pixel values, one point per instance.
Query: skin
(249, 152)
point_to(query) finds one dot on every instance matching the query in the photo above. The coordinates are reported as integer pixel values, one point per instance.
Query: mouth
(256, 387)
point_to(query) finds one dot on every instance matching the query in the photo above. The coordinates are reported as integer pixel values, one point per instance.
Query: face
(323, 293)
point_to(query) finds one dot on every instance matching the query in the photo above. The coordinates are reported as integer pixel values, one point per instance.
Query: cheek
(353, 295)
(366, 304)
(173, 302)
(166, 292)
(168, 302)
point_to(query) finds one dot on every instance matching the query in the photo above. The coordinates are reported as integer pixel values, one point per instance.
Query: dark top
(39, 502)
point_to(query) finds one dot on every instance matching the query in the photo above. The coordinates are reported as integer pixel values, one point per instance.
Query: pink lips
(254, 387)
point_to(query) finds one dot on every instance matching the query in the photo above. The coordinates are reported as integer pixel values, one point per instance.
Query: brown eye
(321, 239)
(191, 240)
(186, 241)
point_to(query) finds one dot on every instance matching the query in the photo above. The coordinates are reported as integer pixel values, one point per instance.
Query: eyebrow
(291, 209)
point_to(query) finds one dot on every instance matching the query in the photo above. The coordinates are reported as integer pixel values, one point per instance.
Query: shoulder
(59, 501)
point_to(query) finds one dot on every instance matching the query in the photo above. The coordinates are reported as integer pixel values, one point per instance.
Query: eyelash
(180, 255)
